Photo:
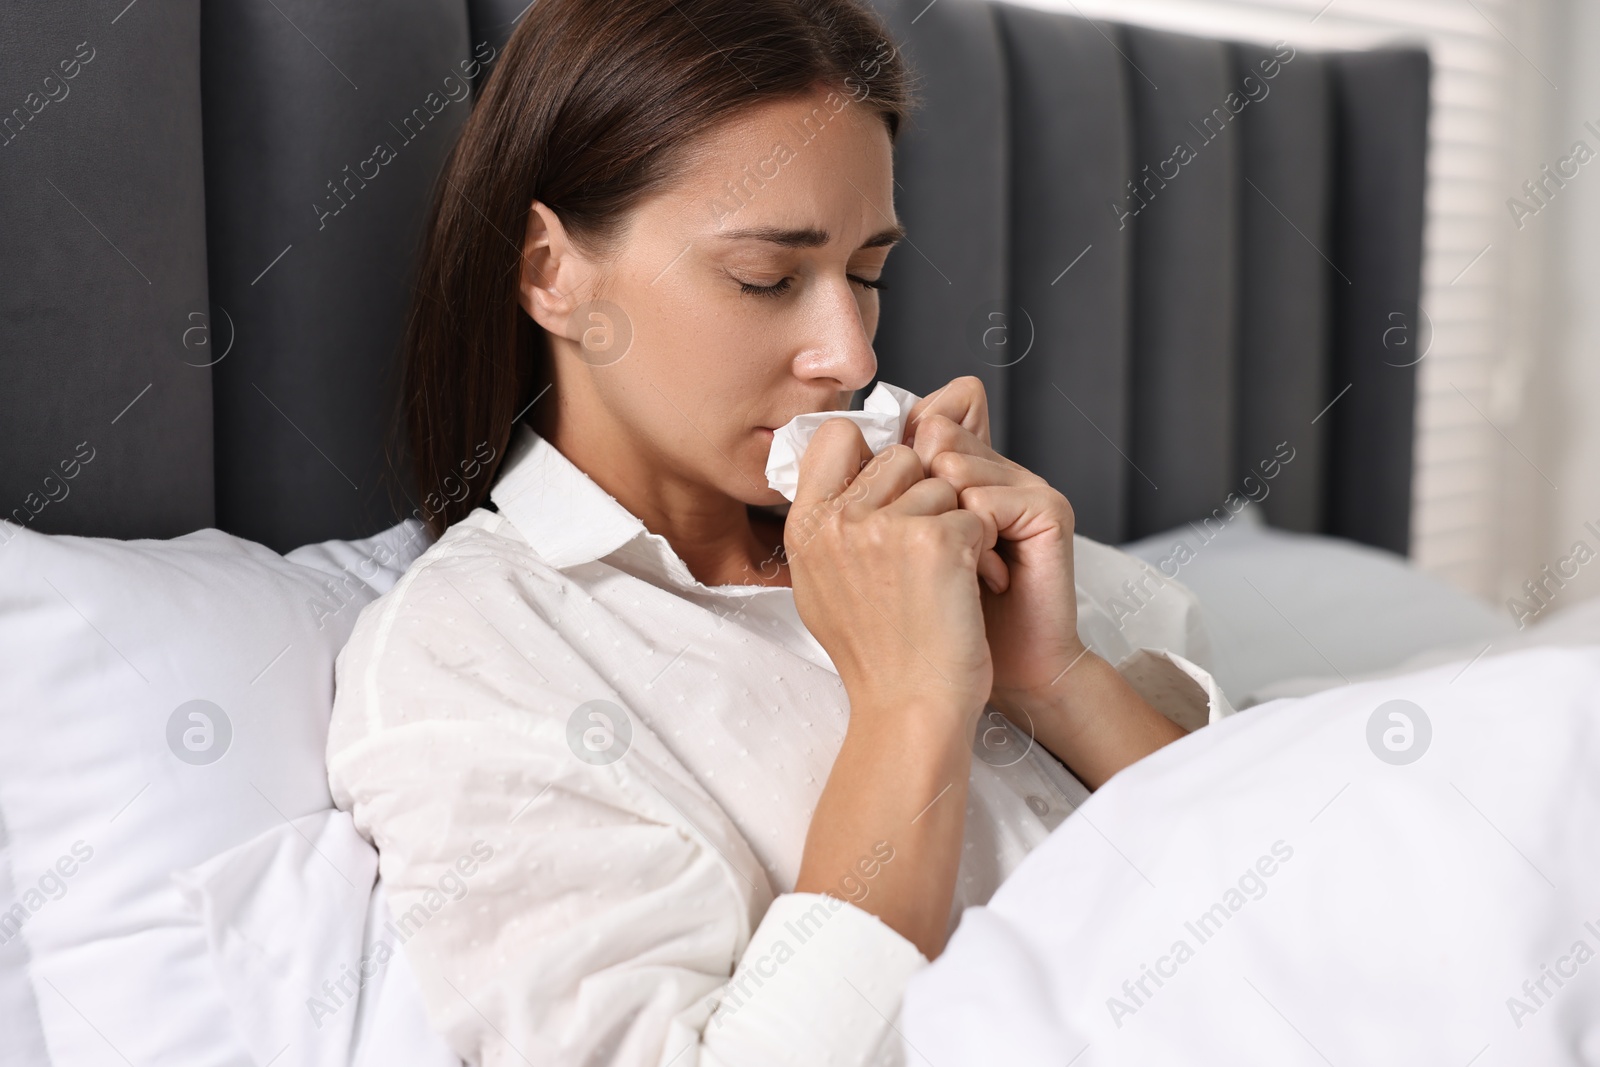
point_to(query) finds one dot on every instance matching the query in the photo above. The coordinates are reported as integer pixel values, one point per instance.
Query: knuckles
(1063, 508)
(938, 433)
(927, 541)
(946, 494)
(971, 384)
(895, 453)
(945, 465)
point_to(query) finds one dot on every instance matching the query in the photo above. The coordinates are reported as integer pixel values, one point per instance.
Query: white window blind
(1475, 51)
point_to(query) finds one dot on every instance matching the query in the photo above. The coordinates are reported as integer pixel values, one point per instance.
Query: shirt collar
(563, 513)
(570, 520)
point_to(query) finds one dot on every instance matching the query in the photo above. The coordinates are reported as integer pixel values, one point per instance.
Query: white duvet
(1403, 871)
(306, 951)
(1311, 881)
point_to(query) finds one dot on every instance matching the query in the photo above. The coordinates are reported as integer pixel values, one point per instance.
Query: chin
(758, 495)
(763, 497)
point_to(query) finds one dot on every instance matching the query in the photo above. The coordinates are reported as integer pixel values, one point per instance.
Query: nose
(842, 348)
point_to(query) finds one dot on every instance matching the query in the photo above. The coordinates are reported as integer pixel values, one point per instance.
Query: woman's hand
(885, 573)
(884, 568)
(1031, 604)
(1090, 718)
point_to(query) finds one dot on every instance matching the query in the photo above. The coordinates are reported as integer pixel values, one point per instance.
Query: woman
(699, 781)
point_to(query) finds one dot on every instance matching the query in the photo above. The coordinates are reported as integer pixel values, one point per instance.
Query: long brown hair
(589, 110)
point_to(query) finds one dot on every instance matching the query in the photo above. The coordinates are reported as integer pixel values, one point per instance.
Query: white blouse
(589, 779)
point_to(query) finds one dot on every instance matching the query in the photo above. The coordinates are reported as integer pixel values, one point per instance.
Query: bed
(200, 333)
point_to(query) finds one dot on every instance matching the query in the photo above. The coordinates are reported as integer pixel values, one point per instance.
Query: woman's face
(740, 298)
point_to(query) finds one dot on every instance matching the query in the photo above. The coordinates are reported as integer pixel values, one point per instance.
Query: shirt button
(1038, 805)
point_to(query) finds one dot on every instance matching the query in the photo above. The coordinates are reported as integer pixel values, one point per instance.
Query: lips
(811, 411)
(796, 415)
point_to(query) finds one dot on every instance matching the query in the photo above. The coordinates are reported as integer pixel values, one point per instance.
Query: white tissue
(882, 420)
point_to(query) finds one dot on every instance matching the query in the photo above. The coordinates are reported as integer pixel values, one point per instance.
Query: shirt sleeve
(1177, 688)
(559, 904)
(1151, 628)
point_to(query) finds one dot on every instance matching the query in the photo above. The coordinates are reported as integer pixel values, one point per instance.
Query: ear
(554, 275)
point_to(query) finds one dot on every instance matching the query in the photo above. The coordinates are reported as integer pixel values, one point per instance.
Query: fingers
(949, 469)
(1011, 499)
(1020, 512)
(936, 497)
(928, 496)
(969, 528)
(933, 496)
(830, 462)
(937, 434)
(962, 400)
(964, 470)
(994, 571)
(838, 462)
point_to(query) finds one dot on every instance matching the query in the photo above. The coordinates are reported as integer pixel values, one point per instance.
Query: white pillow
(166, 700)
(376, 562)
(1281, 605)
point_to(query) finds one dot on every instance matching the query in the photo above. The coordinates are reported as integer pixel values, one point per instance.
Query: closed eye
(766, 290)
(783, 286)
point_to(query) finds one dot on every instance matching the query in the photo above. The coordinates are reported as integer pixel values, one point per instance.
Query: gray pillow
(1281, 605)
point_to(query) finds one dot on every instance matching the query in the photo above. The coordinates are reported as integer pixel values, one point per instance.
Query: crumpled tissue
(882, 420)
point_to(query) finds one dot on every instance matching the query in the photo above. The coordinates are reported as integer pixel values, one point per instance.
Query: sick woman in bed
(737, 775)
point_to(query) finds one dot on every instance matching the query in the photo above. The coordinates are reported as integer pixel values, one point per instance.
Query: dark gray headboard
(205, 256)
(1180, 336)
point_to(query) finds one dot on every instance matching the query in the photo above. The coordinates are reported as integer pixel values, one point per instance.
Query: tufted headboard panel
(212, 215)
(1166, 257)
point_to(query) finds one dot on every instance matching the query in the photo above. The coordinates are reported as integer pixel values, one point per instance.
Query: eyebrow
(809, 237)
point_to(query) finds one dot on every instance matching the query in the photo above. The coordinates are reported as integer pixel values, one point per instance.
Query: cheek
(697, 380)
(707, 366)
(716, 363)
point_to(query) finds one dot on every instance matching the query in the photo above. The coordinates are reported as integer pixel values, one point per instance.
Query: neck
(722, 540)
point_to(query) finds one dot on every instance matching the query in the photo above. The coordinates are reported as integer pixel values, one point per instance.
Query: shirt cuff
(1175, 687)
(818, 983)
